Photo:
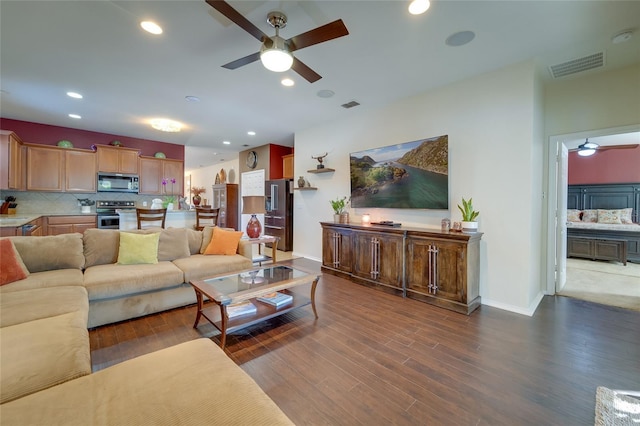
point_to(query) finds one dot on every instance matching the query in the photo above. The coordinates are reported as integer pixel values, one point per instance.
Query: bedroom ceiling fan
(589, 148)
(276, 53)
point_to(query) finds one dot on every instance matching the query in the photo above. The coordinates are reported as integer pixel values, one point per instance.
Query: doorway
(557, 200)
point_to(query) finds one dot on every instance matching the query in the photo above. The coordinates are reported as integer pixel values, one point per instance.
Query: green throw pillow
(138, 248)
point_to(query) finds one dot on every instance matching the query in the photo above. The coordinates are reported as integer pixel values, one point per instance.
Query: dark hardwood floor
(374, 358)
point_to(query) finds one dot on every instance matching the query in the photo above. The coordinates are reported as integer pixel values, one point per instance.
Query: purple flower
(164, 181)
(173, 180)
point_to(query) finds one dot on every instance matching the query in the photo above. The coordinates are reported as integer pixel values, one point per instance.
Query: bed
(591, 239)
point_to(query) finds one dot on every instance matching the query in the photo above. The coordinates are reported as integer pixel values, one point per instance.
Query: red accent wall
(275, 160)
(50, 135)
(610, 166)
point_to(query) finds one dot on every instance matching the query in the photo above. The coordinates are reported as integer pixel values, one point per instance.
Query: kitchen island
(174, 219)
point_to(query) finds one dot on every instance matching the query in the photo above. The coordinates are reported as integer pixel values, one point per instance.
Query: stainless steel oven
(107, 213)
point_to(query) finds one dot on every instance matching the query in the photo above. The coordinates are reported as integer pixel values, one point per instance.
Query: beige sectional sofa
(75, 282)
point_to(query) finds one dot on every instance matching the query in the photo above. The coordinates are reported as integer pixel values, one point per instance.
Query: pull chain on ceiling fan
(276, 46)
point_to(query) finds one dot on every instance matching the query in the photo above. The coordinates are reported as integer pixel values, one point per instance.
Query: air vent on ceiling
(577, 65)
(350, 104)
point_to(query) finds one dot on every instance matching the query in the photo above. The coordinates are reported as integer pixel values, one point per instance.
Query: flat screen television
(411, 175)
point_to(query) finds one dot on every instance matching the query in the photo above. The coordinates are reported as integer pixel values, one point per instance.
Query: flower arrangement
(197, 190)
(168, 199)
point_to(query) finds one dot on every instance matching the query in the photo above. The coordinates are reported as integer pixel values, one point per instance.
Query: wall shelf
(306, 188)
(325, 170)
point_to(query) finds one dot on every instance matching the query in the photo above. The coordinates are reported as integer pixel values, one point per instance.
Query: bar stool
(151, 215)
(206, 217)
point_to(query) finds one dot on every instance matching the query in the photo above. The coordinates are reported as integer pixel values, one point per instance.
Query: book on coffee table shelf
(276, 299)
(241, 308)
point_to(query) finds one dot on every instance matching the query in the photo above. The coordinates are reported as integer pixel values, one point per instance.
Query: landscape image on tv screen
(411, 175)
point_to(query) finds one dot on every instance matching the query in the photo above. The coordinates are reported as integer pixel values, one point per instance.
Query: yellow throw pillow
(223, 242)
(138, 248)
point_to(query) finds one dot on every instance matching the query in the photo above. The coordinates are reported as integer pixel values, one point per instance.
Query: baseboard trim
(529, 311)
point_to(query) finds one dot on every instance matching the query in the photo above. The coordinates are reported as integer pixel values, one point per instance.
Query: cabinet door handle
(375, 258)
(433, 269)
(336, 248)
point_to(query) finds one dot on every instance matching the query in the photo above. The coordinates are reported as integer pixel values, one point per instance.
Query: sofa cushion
(42, 353)
(51, 252)
(193, 383)
(28, 305)
(106, 281)
(223, 242)
(200, 266)
(11, 265)
(101, 246)
(54, 278)
(207, 233)
(135, 249)
(195, 240)
(173, 244)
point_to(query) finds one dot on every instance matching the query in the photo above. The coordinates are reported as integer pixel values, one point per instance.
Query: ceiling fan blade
(242, 61)
(307, 73)
(606, 147)
(235, 16)
(321, 34)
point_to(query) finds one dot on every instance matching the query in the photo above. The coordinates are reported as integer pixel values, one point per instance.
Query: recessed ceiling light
(166, 125)
(76, 116)
(460, 38)
(325, 93)
(226, 142)
(151, 27)
(251, 133)
(418, 7)
(74, 95)
(287, 82)
(192, 98)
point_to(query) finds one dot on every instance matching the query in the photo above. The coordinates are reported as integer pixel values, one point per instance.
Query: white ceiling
(128, 76)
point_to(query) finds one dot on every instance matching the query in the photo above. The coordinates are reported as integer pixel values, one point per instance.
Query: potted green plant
(468, 215)
(339, 206)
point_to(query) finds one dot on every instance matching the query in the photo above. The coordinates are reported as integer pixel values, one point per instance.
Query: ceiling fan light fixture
(586, 152)
(276, 58)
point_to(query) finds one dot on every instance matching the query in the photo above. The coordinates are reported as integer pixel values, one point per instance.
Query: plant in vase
(339, 206)
(196, 191)
(468, 215)
(169, 200)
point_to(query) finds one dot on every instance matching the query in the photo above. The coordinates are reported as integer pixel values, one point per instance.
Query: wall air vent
(585, 63)
(350, 104)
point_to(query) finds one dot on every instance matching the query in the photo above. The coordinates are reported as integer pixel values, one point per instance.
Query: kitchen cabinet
(225, 198)
(33, 228)
(117, 159)
(12, 161)
(378, 258)
(45, 168)
(57, 225)
(337, 249)
(287, 166)
(80, 171)
(440, 268)
(153, 170)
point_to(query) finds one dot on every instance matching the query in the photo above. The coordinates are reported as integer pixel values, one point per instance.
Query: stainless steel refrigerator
(278, 220)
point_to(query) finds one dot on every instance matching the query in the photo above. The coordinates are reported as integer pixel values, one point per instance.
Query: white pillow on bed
(609, 216)
(590, 216)
(573, 215)
(625, 215)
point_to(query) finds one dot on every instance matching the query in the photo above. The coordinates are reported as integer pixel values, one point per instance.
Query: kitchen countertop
(17, 220)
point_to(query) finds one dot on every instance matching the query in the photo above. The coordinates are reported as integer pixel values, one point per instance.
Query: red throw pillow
(223, 242)
(11, 266)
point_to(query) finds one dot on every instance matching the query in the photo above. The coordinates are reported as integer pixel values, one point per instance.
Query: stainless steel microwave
(118, 182)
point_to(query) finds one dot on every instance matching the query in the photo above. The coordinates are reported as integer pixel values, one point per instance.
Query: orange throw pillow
(223, 242)
(11, 266)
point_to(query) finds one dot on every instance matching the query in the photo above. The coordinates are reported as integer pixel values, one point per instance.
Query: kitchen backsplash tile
(32, 202)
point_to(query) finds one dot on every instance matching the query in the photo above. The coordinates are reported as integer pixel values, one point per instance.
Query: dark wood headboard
(605, 196)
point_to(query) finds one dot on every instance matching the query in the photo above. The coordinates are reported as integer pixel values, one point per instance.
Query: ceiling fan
(589, 148)
(276, 53)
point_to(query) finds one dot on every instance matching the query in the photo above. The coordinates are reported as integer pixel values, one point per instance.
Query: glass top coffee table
(233, 293)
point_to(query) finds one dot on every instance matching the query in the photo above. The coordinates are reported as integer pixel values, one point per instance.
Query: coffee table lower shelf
(213, 313)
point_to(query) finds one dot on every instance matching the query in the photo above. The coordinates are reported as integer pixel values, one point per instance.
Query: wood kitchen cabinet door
(174, 169)
(45, 168)
(80, 171)
(12, 162)
(117, 159)
(153, 170)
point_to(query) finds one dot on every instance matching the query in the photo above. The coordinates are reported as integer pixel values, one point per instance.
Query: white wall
(206, 176)
(495, 153)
